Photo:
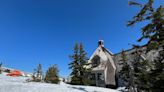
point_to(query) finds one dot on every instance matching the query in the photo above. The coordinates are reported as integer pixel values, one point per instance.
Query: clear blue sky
(45, 31)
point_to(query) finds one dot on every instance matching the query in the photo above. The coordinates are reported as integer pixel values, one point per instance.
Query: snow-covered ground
(19, 84)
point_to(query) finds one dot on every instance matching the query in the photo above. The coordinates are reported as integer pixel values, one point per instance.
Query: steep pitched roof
(104, 54)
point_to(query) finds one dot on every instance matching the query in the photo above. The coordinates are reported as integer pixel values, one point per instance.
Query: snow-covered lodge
(105, 65)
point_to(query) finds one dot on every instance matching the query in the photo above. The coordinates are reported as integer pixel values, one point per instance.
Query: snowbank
(19, 84)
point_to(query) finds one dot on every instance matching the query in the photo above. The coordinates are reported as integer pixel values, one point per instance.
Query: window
(100, 76)
(93, 77)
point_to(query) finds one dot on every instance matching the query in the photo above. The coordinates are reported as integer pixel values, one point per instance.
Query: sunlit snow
(19, 84)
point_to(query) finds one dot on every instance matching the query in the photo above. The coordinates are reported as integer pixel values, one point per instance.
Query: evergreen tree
(84, 72)
(38, 74)
(74, 65)
(154, 32)
(0, 67)
(79, 74)
(154, 29)
(126, 73)
(134, 73)
(157, 73)
(140, 71)
(52, 75)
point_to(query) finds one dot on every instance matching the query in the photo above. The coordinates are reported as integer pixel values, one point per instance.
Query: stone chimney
(101, 43)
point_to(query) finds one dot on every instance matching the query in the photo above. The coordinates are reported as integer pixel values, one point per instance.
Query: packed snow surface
(19, 84)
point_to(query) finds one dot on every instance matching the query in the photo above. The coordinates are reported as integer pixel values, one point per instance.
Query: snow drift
(19, 84)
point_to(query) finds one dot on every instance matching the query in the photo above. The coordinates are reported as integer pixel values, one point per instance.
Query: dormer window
(95, 61)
